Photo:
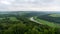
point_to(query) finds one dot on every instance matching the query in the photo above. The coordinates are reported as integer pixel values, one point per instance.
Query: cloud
(30, 5)
(5, 2)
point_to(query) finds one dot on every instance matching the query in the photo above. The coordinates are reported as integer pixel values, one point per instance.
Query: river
(32, 19)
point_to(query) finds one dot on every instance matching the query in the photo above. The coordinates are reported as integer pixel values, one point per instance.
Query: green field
(54, 15)
(51, 24)
(13, 18)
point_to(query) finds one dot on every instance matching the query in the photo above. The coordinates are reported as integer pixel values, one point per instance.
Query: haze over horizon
(29, 5)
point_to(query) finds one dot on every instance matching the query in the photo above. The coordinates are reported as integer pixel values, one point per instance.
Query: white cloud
(5, 2)
(35, 5)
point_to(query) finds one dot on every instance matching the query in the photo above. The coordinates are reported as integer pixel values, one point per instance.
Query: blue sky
(29, 5)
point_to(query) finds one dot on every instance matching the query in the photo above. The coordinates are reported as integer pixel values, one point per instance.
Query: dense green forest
(19, 23)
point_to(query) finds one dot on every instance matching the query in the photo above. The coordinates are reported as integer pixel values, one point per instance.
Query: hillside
(19, 23)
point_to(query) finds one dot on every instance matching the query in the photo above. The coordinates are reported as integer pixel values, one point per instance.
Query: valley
(29, 22)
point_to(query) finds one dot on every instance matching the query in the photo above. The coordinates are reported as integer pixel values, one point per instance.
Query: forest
(18, 23)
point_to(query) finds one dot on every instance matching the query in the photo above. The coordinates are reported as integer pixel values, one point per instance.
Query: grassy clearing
(13, 19)
(51, 24)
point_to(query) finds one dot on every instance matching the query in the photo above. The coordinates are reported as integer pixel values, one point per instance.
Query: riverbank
(43, 22)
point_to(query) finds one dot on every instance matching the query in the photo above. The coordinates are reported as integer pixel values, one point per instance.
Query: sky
(29, 5)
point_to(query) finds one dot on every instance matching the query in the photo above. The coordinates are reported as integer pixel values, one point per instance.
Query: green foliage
(15, 23)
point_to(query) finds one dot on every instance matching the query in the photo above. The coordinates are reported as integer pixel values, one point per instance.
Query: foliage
(15, 23)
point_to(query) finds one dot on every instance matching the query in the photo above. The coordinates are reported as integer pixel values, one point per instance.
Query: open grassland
(54, 15)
